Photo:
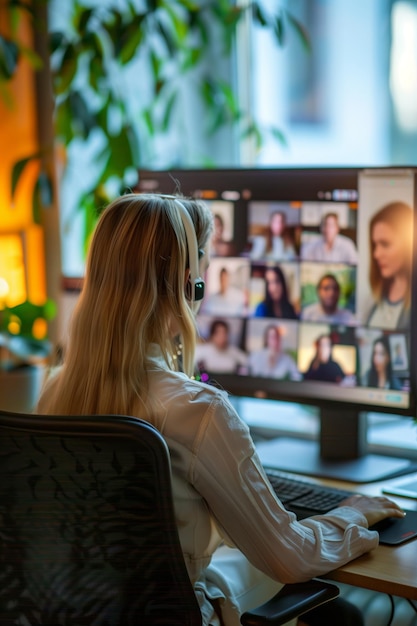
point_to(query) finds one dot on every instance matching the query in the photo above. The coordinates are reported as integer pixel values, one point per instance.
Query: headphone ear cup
(194, 291)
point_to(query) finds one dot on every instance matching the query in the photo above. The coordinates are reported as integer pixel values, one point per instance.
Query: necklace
(177, 354)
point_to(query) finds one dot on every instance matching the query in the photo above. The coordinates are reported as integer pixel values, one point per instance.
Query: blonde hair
(133, 295)
(399, 217)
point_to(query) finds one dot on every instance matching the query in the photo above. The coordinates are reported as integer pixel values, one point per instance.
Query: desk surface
(388, 569)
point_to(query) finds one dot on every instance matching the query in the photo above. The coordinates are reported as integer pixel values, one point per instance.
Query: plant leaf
(45, 188)
(300, 30)
(57, 40)
(9, 54)
(279, 29)
(178, 25)
(279, 135)
(167, 38)
(63, 121)
(119, 155)
(33, 58)
(253, 131)
(258, 14)
(18, 169)
(168, 111)
(83, 119)
(192, 57)
(64, 75)
(82, 18)
(131, 38)
(148, 119)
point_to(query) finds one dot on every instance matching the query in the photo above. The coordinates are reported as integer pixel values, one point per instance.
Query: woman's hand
(374, 509)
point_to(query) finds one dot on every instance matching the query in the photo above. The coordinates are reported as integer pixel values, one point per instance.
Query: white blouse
(222, 496)
(221, 493)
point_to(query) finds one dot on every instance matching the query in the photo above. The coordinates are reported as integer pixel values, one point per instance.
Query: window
(351, 101)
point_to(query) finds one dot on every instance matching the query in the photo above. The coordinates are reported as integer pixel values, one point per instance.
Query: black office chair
(87, 529)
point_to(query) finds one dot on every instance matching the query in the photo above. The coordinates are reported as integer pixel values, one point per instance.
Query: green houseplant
(92, 56)
(24, 353)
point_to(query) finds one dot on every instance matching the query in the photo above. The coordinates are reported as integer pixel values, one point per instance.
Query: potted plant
(24, 354)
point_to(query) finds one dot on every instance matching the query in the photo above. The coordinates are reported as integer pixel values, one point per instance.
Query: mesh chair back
(87, 528)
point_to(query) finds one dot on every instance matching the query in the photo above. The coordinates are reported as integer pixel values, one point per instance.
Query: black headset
(194, 289)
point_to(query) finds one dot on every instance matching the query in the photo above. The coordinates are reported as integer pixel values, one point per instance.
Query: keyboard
(305, 498)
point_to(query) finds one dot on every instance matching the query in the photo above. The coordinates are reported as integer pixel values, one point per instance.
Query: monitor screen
(310, 287)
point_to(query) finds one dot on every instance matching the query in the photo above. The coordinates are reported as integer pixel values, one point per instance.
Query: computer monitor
(309, 297)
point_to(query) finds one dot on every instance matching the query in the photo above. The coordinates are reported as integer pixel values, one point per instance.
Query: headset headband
(195, 284)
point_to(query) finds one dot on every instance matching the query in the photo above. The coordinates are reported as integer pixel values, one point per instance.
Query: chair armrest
(291, 601)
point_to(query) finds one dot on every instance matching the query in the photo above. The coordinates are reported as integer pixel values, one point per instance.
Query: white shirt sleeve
(228, 474)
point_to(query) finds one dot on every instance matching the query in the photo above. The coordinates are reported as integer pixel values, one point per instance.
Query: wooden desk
(387, 569)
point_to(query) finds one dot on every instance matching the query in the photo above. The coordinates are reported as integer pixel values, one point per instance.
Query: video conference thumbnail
(304, 297)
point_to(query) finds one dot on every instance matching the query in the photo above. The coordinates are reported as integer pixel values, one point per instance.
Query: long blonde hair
(399, 217)
(132, 295)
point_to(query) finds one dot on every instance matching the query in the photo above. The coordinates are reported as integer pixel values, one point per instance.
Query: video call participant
(331, 246)
(218, 354)
(399, 361)
(271, 361)
(277, 245)
(327, 309)
(228, 300)
(391, 241)
(219, 246)
(323, 367)
(276, 302)
(137, 299)
(380, 373)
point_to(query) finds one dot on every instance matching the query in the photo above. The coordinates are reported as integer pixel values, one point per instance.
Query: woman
(391, 240)
(277, 245)
(219, 246)
(380, 373)
(323, 367)
(138, 296)
(276, 302)
(271, 361)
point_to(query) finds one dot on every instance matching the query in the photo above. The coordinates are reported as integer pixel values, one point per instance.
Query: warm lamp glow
(4, 289)
(22, 267)
(35, 264)
(12, 269)
(14, 325)
(40, 328)
(18, 131)
(22, 255)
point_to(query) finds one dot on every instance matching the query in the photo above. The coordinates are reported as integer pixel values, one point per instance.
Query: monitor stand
(340, 454)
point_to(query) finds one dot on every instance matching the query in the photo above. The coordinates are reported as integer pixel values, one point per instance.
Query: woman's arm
(228, 474)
